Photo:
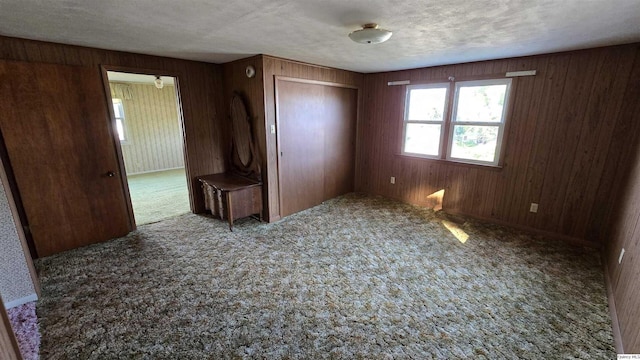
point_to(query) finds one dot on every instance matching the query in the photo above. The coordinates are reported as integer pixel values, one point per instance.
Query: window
(471, 120)
(118, 111)
(424, 119)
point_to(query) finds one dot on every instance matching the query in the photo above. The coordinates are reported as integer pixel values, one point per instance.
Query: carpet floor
(158, 195)
(357, 277)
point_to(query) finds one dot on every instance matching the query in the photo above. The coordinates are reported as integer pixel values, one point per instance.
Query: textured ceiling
(425, 33)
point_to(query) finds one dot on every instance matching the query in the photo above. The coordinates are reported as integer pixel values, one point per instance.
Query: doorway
(149, 128)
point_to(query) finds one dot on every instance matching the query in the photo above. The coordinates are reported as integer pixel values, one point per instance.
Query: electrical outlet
(621, 255)
(393, 179)
(533, 208)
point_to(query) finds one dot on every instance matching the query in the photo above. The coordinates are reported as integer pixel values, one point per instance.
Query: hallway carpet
(158, 195)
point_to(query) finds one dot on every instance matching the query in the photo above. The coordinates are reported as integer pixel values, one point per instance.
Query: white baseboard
(154, 171)
(21, 301)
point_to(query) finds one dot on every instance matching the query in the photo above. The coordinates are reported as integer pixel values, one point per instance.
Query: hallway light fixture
(158, 82)
(370, 34)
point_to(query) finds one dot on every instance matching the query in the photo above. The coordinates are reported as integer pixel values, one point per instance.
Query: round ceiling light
(370, 34)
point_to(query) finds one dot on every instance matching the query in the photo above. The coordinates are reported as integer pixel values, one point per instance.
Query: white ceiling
(425, 33)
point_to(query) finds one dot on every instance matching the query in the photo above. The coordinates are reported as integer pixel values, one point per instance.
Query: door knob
(110, 174)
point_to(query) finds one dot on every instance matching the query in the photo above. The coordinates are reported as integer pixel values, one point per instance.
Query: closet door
(59, 138)
(316, 125)
(340, 140)
(301, 145)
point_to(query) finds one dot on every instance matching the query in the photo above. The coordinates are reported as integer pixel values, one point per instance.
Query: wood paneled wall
(260, 95)
(625, 277)
(624, 216)
(561, 143)
(200, 86)
(252, 92)
(152, 129)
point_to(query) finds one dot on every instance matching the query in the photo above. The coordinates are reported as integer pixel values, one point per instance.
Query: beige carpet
(355, 278)
(158, 195)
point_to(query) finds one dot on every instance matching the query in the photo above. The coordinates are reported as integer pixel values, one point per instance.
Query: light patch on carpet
(456, 231)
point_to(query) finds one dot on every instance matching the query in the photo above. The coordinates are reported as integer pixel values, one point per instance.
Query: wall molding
(21, 301)
(155, 171)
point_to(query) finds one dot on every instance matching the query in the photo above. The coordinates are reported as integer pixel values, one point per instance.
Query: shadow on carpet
(356, 277)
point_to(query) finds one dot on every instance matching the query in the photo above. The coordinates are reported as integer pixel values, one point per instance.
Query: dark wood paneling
(252, 92)
(340, 122)
(562, 122)
(566, 146)
(200, 86)
(622, 211)
(625, 277)
(621, 149)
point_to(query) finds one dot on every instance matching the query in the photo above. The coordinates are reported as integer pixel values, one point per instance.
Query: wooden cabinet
(232, 197)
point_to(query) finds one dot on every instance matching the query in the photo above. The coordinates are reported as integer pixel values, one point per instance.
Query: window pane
(474, 142)
(117, 110)
(427, 104)
(422, 139)
(120, 129)
(481, 103)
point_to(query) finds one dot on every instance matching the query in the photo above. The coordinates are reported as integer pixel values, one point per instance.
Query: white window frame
(442, 122)
(448, 123)
(122, 121)
(500, 125)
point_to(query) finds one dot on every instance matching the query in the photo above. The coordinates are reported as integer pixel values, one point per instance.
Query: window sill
(451, 162)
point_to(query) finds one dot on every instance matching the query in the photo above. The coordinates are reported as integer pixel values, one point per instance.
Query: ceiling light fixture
(370, 34)
(158, 82)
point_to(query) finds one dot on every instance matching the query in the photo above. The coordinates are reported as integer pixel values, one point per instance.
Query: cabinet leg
(229, 209)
